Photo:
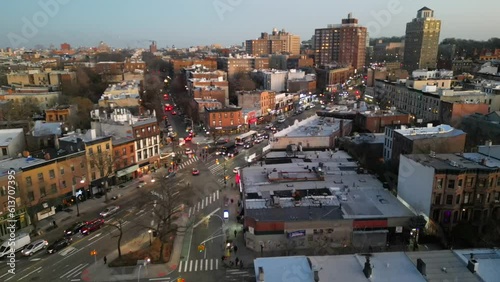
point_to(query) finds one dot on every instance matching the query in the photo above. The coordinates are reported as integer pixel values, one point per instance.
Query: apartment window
(145, 152)
(220, 115)
(62, 170)
(156, 150)
(107, 146)
(43, 193)
(220, 122)
(131, 160)
(52, 174)
(53, 188)
(496, 196)
(469, 181)
(482, 183)
(92, 175)
(498, 181)
(72, 168)
(4, 151)
(232, 122)
(231, 115)
(149, 128)
(91, 165)
(125, 162)
(124, 151)
(99, 150)
(449, 199)
(154, 127)
(460, 183)
(457, 200)
(451, 184)
(63, 184)
(466, 198)
(479, 198)
(213, 122)
(31, 196)
(3, 192)
(91, 151)
(439, 184)
(143, 130)
(139, 156)
(82, 165)
(40, 176)
(491, 183)
(117, 153)
(437, 199)
(488, 197)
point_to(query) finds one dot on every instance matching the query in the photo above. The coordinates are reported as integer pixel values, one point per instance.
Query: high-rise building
(343, 44)
(422, 41)
(153, 48)
(274, 43)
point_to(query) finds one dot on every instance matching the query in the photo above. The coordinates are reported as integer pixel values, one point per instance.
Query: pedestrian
(235, 233)
(105, 260)
(54, 223)
(223, 258)
(235, 249)
(237, 261)
(232, 201)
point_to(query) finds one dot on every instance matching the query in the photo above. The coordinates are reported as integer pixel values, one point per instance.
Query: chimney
(472, 264)
(367, 270)
(46, 156)
(316, 276)
(341, 128)
(261, 274)
(93, 134)
(421, 267)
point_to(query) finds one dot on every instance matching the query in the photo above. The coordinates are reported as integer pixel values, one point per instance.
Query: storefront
(126, 174)
(20, 217)
(143, 169)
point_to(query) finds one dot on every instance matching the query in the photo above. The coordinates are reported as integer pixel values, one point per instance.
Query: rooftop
(7, 135)
(43, 128)
(371, 138)
(329, 184)
(466, 161)
(312, 126)
(226, 109)
(488, 262)
(292, 268)
(442, 130)
(381, 113)
(17, 164)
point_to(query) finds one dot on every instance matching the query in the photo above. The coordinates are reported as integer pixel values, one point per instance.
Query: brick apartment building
(226, 119)
(375, 122)
(328, 78)
(211, 93)
(453, 113)
(179, 64)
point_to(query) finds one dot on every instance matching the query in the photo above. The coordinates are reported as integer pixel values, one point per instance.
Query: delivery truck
(15, 245)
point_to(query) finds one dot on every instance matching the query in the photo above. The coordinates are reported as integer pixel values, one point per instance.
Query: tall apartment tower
(422, 41)
(275, 43)
(343, 44)
(153, 48)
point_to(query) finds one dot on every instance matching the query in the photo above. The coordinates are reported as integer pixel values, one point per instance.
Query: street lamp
(142, 263)
(150, 234)
(82, 180)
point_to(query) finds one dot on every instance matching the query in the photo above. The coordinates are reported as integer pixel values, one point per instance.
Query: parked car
(189, 151)
(58, 245)
(174, 113)
(34, 247)
(269, 126)
(109, 211)
(281, 119)
(259, 140)
(195, 171)
(233, 153)
(248, 145)
(74, 229)
(92, 226)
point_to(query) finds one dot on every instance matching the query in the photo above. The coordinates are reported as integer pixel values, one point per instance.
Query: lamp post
(223, 221)
(82, 180)
(225, 181)
(150, 234)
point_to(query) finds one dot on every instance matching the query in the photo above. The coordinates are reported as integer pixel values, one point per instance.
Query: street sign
(226, 214)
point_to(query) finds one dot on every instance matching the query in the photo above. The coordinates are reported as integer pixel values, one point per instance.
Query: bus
(245, 137)
(224, 148)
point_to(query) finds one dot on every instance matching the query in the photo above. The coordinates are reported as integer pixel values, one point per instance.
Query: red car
(188, 138)
(174, 113)
(92, 226)
(165, 97)
(195, 171)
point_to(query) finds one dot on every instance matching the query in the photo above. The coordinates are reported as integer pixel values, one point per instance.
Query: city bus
(245, 137)
(225, 148)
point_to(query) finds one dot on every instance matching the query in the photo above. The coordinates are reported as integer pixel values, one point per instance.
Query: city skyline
(132, 24)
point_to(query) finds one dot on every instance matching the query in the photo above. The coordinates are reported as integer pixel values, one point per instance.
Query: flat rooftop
(488, 262)
(7, 135)
(17, 164)
(330, 186)
(466, 161)
(381, 113)
(312, 126)
(292, 268)
(371, 138)
(440, 131)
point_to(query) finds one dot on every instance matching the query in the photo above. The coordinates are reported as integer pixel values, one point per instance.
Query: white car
(236, 169)
(188, 151)
(269, 126)
(281, 119)
(109, 211)
(34, 247)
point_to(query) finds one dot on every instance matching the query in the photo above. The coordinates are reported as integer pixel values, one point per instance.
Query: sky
(185, 23)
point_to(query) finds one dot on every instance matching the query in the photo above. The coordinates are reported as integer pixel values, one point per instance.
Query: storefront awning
(144, 164)
(127, 170)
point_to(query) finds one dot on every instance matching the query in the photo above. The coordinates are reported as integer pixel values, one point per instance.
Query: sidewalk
(102, 272)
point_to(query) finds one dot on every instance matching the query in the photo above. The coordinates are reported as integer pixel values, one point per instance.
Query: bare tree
(103, 161)
(167, 199)
(119, 227)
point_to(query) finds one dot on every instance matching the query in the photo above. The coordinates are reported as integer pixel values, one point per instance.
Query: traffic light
(93, 253)
(217, 161)
(181, 279)
(201, 248)
(226, 177)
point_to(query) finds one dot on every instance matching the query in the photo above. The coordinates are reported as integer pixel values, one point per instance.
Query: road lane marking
(66, 251)
(95, 236)
(189, 214)
(217, 194)
(211, 264)
(166, 279)
(206, 200)
(74, 270)
(180, 266)
(33, 259)
(216, 264)
(25, 275)
(198, 209)
(206, 264)
(195, 265)
(186, 267)
(204, 218)
(202, 203)
(190, 265)
(74, 280)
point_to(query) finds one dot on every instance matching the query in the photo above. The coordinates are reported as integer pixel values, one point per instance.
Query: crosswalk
(205, 202)
(74, 273)
(197, 265)
(218, 171)
(234, 274)
(185, 163)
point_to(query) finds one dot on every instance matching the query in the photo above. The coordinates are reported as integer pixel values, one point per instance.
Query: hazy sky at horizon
(132, 23)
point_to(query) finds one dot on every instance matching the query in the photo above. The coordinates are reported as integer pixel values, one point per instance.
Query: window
(491, 183)
(131, 160)
(220, 122)
(52, 174)
(63, 184)
(107, 146)
(72, 168)
(457, 200)
(93, 175)
(82, 165)
(53, 188)
(460, 183)
(213, 122)
(479, 198)
(62, 170)
(99, 150)
(449, 199)
(124, 151)
(466, 198)
(40, 176)
(439, 183)
(28, 181)
(149, 128)
(482, 183)
(117, 153)
(91, 151)
(139, 156)
(437, 199)
(4, 151)
(469, 181)
(31, 196)
(451, 184)
(43, 193)
(232, 122)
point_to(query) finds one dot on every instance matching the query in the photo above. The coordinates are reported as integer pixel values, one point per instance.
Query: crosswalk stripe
(217, 194)
(190, 265)
(201, 265)
(216, 264)
(206, 264)
(189, 214)
(206, 200)
(211, 264)
(185, 266)
(180, 266)
(196, 265)
(202, 203)
(198, 207)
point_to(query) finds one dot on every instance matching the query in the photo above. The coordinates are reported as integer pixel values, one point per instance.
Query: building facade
(422, 41)
(225, 119)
